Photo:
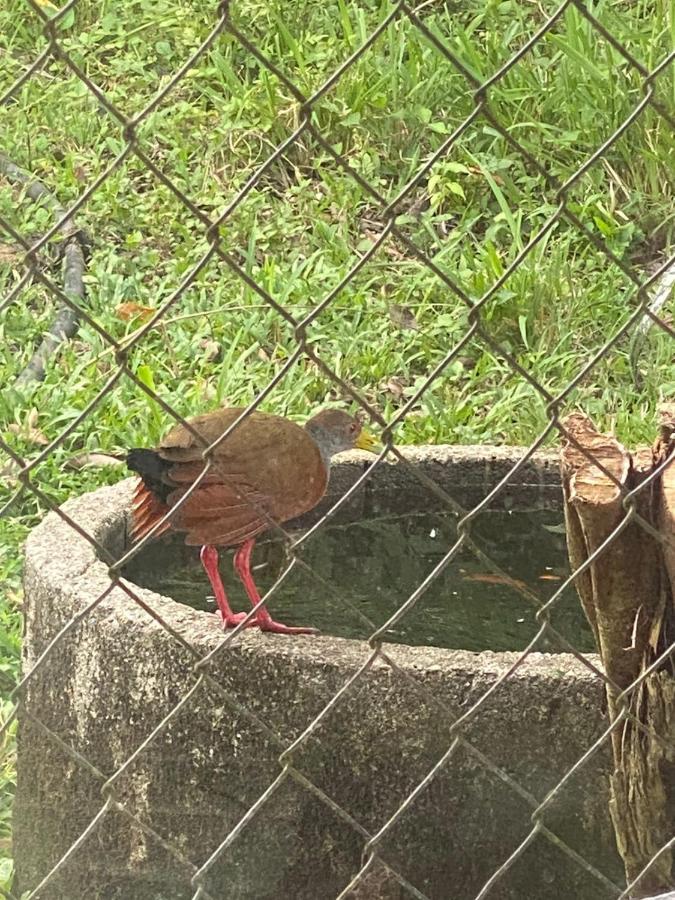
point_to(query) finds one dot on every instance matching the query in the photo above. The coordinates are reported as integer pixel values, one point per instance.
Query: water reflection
(369, 568)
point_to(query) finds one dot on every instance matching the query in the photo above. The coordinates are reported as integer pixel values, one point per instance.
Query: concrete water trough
(118, 672)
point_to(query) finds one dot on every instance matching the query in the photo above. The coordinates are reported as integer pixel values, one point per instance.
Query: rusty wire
(389, 210)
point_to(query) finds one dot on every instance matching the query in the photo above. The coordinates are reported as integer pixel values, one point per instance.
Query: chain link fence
(389, 213)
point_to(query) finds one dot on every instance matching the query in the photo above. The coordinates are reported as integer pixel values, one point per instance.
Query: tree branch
(65, 323)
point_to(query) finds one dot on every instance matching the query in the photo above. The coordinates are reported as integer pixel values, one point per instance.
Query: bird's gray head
(335, 431)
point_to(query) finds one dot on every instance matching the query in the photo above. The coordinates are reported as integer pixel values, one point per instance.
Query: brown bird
(267, 470)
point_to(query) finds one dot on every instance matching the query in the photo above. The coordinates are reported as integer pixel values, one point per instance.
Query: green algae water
(355, 576)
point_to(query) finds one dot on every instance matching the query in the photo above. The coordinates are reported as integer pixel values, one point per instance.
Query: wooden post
(628, 595)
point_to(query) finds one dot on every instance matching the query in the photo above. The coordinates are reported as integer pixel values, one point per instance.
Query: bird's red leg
(209, 558)
(242, 566)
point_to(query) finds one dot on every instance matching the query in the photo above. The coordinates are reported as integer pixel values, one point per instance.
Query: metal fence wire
(388, 215)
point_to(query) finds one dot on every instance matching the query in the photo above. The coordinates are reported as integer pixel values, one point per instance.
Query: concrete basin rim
(76, 575)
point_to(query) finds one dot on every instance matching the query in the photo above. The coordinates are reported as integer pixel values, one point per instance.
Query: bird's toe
(235, 619)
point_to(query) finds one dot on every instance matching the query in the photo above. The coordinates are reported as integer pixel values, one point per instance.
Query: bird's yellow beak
(366, 442)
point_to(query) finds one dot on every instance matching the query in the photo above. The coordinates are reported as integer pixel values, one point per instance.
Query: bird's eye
(354, 427)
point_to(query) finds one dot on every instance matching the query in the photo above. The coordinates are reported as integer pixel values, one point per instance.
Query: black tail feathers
(151, 467)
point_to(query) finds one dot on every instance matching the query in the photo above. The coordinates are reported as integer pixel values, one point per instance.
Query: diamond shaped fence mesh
(440, 219)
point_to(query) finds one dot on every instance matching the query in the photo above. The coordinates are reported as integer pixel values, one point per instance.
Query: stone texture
(118, 672)
(467, 474)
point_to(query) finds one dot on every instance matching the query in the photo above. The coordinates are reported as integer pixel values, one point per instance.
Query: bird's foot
(234, 619)
(267, 623)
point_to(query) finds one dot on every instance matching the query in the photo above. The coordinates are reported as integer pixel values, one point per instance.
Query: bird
(267, 470)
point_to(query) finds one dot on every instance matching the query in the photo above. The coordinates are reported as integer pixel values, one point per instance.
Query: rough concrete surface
(118, 672)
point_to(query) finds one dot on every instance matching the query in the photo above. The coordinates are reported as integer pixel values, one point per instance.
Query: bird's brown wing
(218, 514)
(180, 444)
(226, 508)
(214, 513)
(271, 455)
(267, 469)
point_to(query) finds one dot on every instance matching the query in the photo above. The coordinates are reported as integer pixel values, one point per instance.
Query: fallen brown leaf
(208, 391)
(83, 460)
(547, 577)
(14, 598)
(8, 472)
(476, 170)
(403, 317)
(29, 430)
(132, 310)
(469, 362)
(9, 253)
(420, 205)
(395, 386)
(212, 349)
(496, 579)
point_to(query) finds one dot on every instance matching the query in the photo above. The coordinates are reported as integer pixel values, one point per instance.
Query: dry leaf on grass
(403, 317)
(83, 460)
(29, 431)
(14, 598)
(476, 170)
(212, 349)
(10, 253)
(131, 310)
(8, 473)
(395, 386)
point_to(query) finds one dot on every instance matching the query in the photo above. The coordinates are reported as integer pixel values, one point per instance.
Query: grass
(307, 221)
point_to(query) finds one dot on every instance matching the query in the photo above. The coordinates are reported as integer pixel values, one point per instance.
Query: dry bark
(628, 595)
